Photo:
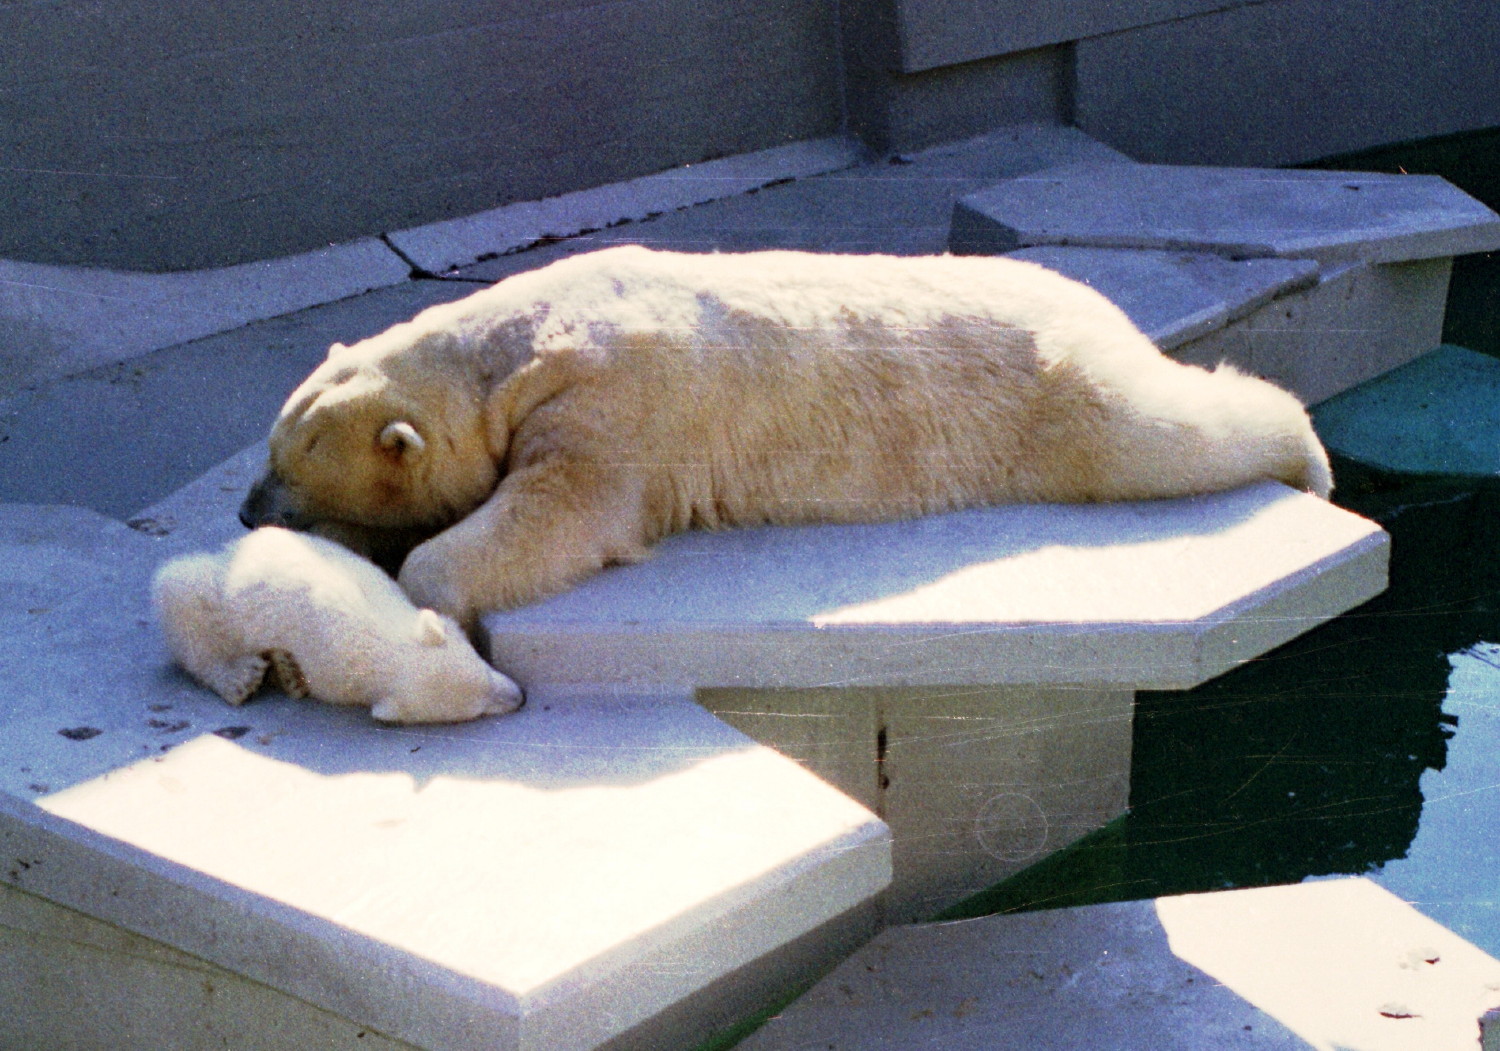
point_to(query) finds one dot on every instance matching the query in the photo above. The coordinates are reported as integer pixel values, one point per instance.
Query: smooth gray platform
(1237, 212)
(1175, 297)
(1158, 594)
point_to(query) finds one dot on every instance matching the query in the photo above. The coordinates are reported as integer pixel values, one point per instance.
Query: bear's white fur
(571, 416)
(328, 624)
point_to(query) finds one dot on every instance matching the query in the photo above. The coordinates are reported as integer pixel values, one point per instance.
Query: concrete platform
(628, 869)
(1339, 963)
(1241, 213)
(1316, 280)
(969, 677)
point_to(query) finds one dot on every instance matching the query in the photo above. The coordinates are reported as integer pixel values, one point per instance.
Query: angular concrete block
(57, 320)
(1339, 963)
(1162, 594)
(552, 887)
(974, 783)
(72, 983)
(1440, 414)
(438, 247)
(978, 784)
(1236, 212)
(1355, 323)
(1176, 297)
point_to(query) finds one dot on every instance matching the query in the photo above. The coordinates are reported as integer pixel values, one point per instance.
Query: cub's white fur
(572, 416)
(328, 624)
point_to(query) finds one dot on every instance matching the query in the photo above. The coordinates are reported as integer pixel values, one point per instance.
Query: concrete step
(626, 870)
(1338, 963)
(970, 677)
(1241, 213)
(1316, 280)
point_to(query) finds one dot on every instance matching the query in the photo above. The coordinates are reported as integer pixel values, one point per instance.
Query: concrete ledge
(439, 247)
(1163, 594)
(58, 320)
(550, 880)
(1339, 963)
(1235, 212)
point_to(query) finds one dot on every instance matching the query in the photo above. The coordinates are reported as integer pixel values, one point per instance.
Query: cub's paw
(237, 680)
(288, 673)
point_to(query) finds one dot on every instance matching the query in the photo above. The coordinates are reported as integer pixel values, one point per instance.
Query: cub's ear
(401, 438)
(430, 629)
(336, 349)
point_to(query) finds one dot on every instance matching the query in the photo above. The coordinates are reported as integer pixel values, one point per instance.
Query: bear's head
(443, 679)
(382, 446)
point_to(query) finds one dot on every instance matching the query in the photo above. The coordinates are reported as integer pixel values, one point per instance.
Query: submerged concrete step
(625, 868)
(1438, 415)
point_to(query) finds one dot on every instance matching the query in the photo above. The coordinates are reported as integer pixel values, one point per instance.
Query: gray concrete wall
(169, 134)
(172, 135)
(1292, 80)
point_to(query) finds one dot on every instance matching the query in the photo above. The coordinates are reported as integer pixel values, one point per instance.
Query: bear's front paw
(438, 575)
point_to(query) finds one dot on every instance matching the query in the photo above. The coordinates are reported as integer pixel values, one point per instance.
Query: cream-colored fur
(328, 624)
(571, 416)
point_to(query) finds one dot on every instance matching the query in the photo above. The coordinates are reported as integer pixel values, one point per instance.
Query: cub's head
(384, 444)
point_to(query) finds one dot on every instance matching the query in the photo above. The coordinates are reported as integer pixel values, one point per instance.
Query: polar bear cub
(328, 624)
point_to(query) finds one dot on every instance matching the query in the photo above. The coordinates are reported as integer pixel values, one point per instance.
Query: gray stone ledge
(1236, 212)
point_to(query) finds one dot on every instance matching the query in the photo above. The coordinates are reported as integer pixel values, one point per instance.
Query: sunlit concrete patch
(1154, 594)
(572, 874)
(1340, 965)
(1343, 963)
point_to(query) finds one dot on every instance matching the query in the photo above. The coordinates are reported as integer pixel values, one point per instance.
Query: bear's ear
(430, 629)
(337, 348)
(401, 438)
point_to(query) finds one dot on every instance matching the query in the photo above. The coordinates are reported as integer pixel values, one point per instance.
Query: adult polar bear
(569, 417)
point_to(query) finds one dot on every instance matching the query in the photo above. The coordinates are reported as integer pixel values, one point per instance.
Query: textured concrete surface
(1162, 593)
(1355, 323)
(1237, 212)
(1340, 963)
(1439, 415)
(442, 886)
(1177, 297)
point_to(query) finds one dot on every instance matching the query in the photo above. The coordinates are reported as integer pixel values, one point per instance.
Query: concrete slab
(1237, 212)
(1160, 594)
(1438, 415)
(443, 246)
(1177, 297)
(1357, 322)
(1339, 963)
(555, 879)
(58, 320)
(901, 207)
(159, 421)
(975, 783)
(1448, 872)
